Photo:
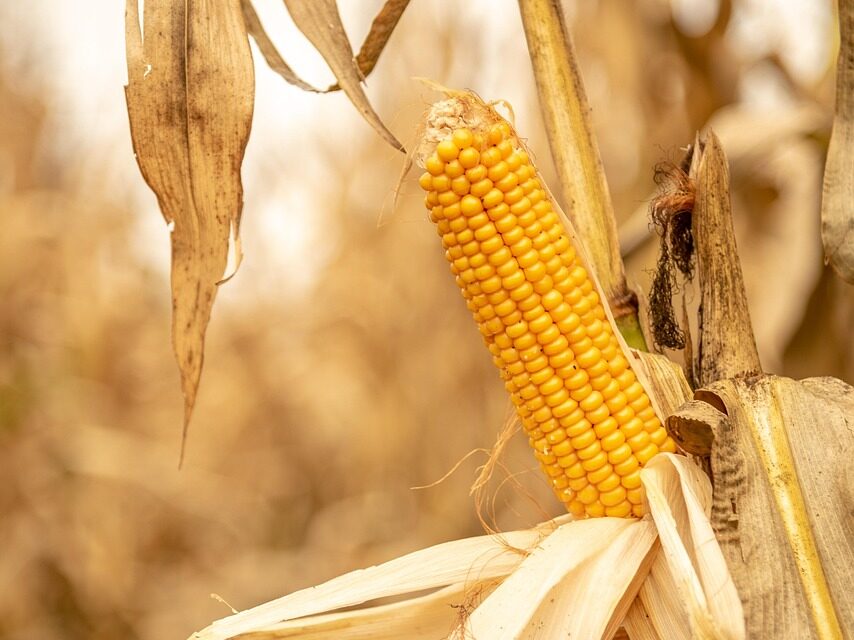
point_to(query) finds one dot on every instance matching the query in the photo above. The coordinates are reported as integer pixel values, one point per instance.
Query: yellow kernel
(597, 476)
(638, 441)
(448, 198)
(637, 510)
(454, 169)
(602, 340)
(490, 157)
(484, 271)
(617, 401)
(575, 507)
(646, 454)
(519, 209)
(598, 382)
(500, 256)
(447, 150)
(640, 404)
(471, 247)
(668, 446)
(434, 165)
(491, 284)
(493, 198)
(517, 330)
(469, 158)
(476, 173)
(592, 401)
(506, 148)
(594, 510)
(495, 135)
(481, 188)
(591, 450)
(620, 454)
(543, 285)
(627, 466)
(498, 171)
(578, 478)
(620, 511)
(462, 138)
(511, 318)
(552, 300)
(631, 480)
(613, 497)
(521, 292)
(470, 205)
(596, 461)
(584, 440)
(508, 268)
(547, 427)
(535, 272)
(598, 414)
(632, 427)
(588, 495)
(536, 364)
(460, 185)
(486, 232)
(492, 245)
(540, 323)
(514, 195)
(565, 408)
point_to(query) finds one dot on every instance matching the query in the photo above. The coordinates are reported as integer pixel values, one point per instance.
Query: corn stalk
(583, 185)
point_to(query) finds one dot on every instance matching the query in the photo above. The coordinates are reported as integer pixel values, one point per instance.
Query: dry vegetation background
(341, 368)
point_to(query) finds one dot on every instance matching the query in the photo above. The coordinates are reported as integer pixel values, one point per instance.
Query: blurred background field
(341, 367)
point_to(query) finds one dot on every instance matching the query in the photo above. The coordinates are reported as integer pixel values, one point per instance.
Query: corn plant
(701, 503)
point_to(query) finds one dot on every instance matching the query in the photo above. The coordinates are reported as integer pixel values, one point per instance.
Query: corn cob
(588, 419)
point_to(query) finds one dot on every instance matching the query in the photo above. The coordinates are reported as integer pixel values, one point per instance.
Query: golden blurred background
(342, 368)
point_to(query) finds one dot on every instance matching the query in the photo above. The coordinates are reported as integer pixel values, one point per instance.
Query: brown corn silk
(589, 420)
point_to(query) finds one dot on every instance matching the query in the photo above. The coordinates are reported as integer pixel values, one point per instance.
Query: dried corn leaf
(533, 581)
(377, 38)
(680, 503)
(271, 54)
(837, 204)
(190, 98)
(320, 22)
(423, 618)
(638, 625)
(782, 501)
(568, 578)
(592, 600)
(477, 559)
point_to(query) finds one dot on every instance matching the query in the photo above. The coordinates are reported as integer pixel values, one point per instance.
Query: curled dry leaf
(837, 205)
(381, 29)
(190, 97)
(274, 59)
(320, 22)
(576, 577)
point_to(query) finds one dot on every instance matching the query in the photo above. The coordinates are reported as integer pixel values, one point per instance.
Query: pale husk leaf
(546, 566)
(637, 623)
(680, 504)
(591, 600)
(476, 559)
(421, 618)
